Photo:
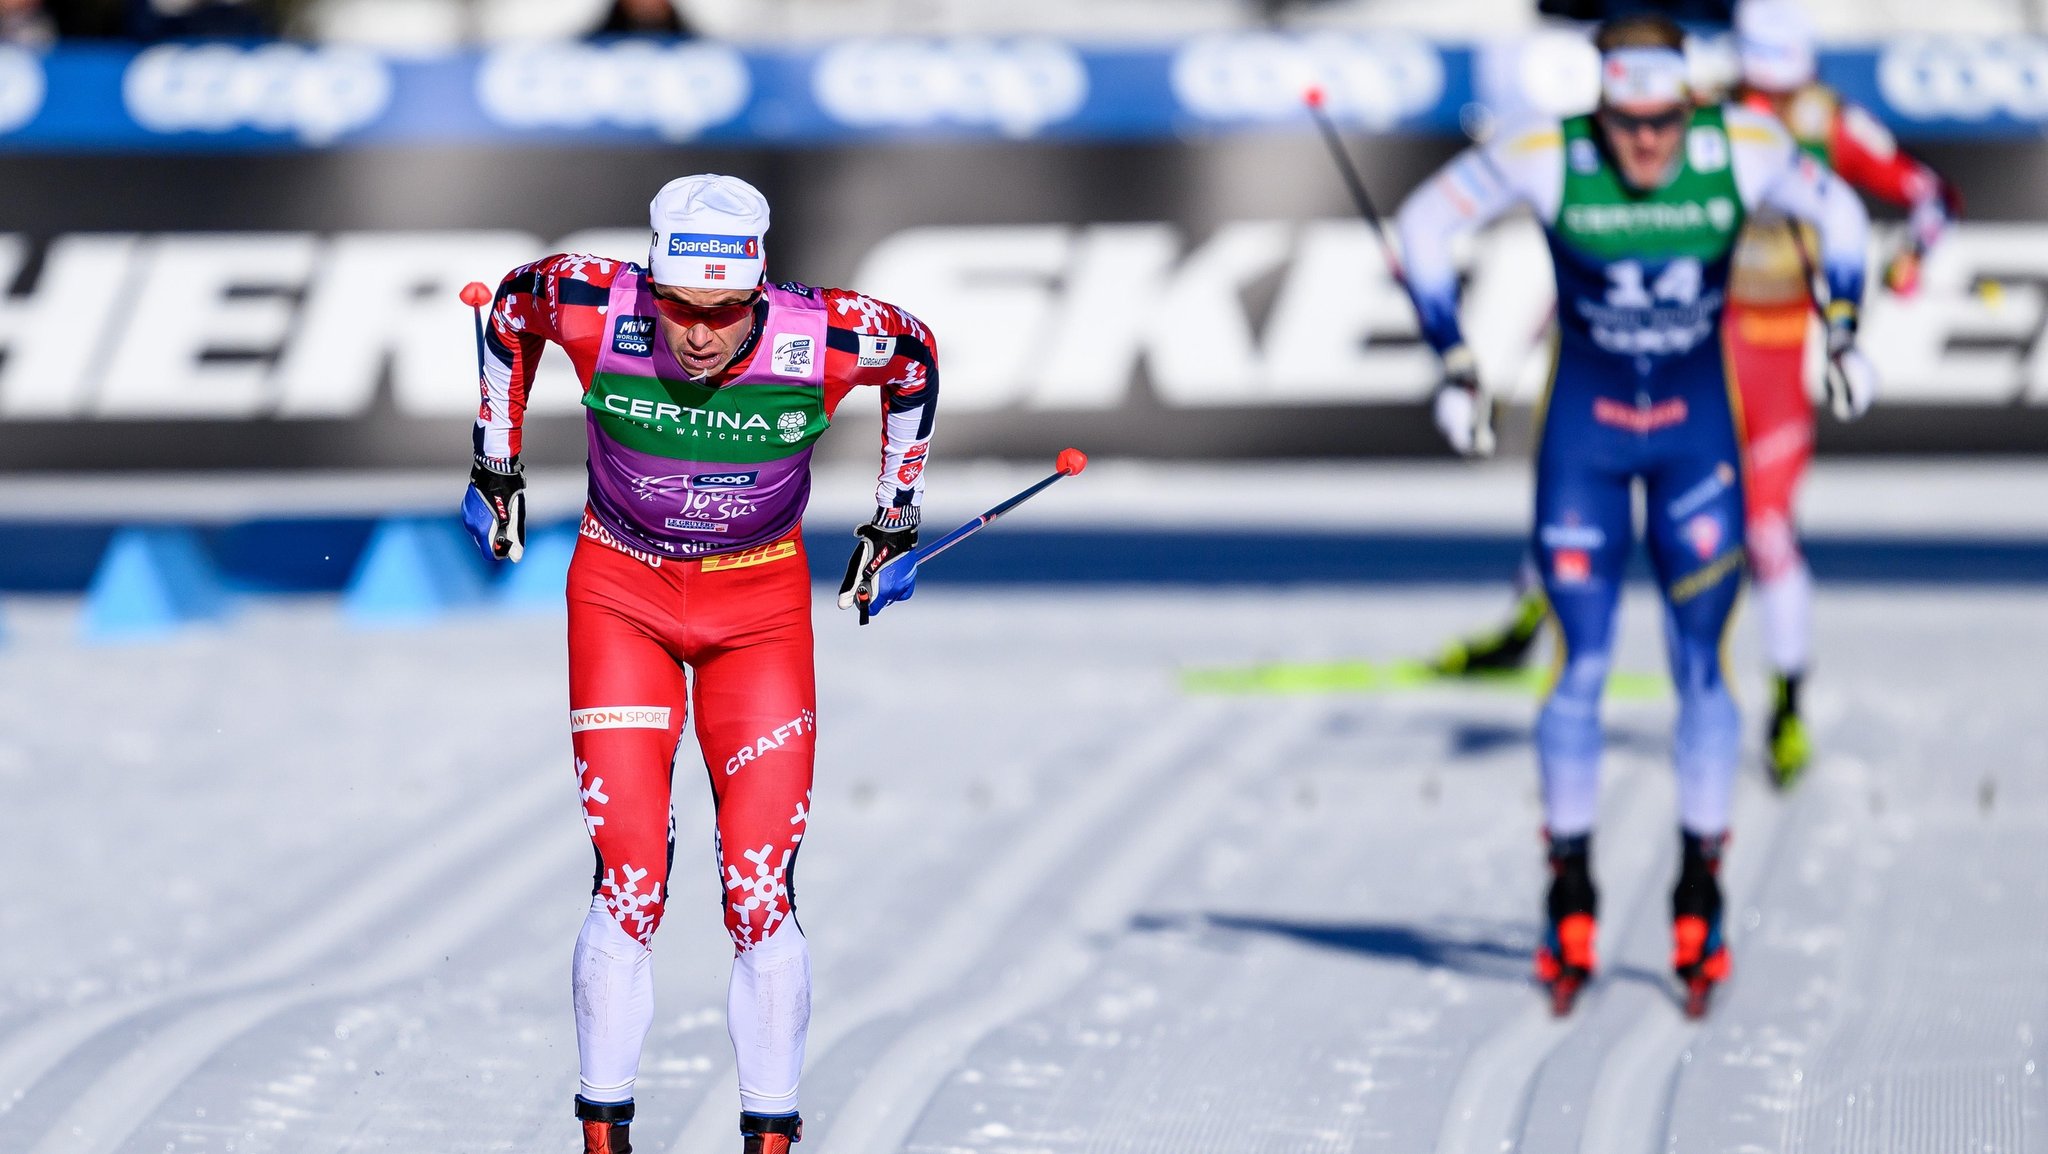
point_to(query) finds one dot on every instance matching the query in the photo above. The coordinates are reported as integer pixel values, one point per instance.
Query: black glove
(891, 534)
(494, 510)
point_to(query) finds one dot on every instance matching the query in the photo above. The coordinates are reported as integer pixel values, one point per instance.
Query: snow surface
(284, 886)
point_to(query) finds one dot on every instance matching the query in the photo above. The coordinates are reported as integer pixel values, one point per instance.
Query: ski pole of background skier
(1483, 441)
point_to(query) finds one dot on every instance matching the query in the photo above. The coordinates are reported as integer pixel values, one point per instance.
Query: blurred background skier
(1769, 319)
(1770, 315)
(1641, 204)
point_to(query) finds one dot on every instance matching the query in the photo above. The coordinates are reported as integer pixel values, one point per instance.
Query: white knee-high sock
(1785, 606)
(768, 1008)
(613, 983)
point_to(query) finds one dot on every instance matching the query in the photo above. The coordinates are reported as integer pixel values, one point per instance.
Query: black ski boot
(770, 1133)
(1699, 954)
(607, 1126)
(1566, 959)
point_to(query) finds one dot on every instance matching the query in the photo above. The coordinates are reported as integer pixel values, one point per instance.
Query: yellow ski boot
(1502, 651)
(1787, 748)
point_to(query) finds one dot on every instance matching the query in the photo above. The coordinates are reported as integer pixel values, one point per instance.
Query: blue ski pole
(897, 580)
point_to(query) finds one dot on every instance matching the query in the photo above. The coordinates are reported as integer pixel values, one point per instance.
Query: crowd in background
(41, 21)
(38, 23)
(428, 24)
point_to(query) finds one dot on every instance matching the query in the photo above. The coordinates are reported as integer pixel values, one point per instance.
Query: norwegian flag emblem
(714, 272)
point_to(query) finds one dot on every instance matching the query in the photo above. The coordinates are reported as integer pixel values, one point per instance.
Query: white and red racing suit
(690, 558)
(1769, 316)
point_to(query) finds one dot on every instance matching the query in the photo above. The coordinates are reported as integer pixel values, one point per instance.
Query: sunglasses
(1626, 125)
(710, 316)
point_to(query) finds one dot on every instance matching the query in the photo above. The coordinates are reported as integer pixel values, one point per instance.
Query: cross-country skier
(1641, 203)
(706, 388)
(1769, 314)
(1768, 320)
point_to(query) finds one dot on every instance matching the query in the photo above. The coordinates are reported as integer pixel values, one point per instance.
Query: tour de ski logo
(792, 425)
(792, 356)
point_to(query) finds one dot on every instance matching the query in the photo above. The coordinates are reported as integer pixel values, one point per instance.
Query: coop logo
(679, 484)
(674, 91)
(1374, 80)
(1946, 78)
(317, 95)
(22, 87)
(619, 717)
(1016, 87)
(634, 336)
(722, 480)
(714, 244)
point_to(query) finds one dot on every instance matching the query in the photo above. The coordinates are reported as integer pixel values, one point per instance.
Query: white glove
(1852, 379)
(1463, 416)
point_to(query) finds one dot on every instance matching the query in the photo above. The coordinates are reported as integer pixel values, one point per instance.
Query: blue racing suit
(1640, 391)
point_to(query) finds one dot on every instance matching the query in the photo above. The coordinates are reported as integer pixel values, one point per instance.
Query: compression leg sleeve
(1785, 607)
(613, 982)
(768, 1011)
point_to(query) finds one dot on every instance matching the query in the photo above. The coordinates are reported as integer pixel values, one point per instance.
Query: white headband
(1643, 76)
(1775, 39)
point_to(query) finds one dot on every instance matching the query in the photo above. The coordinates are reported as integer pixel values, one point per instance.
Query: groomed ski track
(284, 886)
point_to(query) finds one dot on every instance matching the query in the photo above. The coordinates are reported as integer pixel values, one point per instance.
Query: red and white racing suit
(1769, 316)
(690, 559)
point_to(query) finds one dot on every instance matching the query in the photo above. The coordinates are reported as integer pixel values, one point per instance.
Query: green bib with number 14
(1645, 273)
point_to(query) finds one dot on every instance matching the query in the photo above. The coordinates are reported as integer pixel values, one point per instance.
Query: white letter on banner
(384, 296)
(1910, 339)
(1337, 298)
(56, 335)
(986, 292)
(22, 87)
(1509, 310)
(180, 310)
(1104, 315)
(1201, 349)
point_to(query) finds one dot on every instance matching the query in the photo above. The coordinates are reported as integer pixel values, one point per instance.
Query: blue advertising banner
(277, 96)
